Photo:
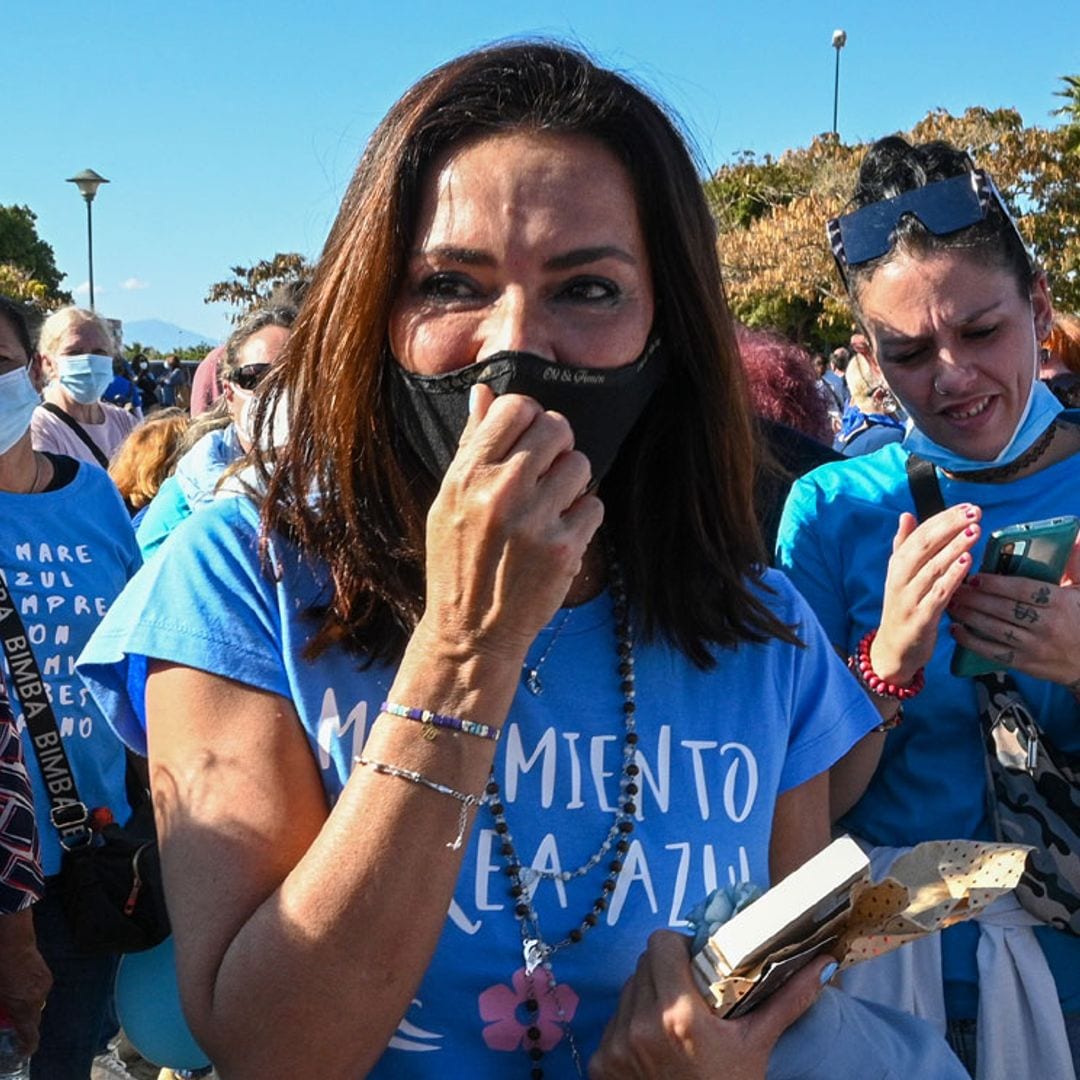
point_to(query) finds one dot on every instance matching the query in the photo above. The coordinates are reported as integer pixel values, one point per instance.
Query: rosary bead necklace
(537, 952)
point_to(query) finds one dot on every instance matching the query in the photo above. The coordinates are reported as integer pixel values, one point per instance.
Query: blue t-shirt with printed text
(66, 555)
(834, 543)
(716, 749)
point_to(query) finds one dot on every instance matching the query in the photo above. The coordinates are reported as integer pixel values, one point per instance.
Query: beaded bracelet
(433, 720)
(860, 664)
(467, 801)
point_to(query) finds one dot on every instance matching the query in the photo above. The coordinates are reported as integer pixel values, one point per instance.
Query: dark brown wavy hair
(679, 497)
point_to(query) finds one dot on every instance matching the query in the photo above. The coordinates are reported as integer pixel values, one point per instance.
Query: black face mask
(601, 404)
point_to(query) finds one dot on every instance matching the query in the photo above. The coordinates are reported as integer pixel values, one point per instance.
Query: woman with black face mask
(488, 684)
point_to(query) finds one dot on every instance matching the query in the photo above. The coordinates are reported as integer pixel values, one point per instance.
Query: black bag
(112, 893)
(1033, 786)
(110, 876)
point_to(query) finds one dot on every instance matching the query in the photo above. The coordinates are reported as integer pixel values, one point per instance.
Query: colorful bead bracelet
(433, 720)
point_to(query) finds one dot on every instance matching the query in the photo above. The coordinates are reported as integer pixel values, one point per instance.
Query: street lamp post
(839, 40)
(88, 182)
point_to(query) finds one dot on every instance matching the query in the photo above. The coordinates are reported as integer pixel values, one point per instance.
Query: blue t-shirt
(160, 516)
(65, 556)
(716, 749)
(192, 485)
(835, 541)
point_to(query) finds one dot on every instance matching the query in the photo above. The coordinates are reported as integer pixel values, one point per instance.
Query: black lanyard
(67, 812)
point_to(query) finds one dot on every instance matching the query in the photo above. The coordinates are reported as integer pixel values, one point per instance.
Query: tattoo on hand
(1011, 638)
(1041, 595)
(1022, 613)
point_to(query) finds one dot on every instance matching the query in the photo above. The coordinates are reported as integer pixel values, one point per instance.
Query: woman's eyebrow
(974, 315)
(896, 337)
(450, 253)
(582, 256)
(566, 261)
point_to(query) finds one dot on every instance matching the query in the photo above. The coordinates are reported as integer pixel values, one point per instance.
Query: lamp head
(839, 39)
(87, 182)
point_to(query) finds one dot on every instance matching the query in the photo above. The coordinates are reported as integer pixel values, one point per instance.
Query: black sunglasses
(249, 376)
(943, 207)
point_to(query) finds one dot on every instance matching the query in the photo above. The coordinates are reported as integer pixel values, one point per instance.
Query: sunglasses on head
(249, 376)
(943, 207)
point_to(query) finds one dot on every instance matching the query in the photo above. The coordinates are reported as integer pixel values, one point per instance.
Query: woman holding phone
(951, 312)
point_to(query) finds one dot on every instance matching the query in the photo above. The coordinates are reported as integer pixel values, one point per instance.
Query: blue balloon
(148, 1005)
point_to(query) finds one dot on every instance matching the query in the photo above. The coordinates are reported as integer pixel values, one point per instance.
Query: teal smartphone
(1036, 549)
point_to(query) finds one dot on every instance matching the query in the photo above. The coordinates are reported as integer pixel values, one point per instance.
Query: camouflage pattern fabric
(1036, 800)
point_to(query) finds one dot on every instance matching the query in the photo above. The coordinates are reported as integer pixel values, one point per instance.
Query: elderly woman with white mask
(950, 311)
(76, 348)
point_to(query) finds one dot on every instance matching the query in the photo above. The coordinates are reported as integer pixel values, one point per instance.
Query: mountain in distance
(163, 336)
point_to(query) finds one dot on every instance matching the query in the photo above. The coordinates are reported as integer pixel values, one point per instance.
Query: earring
(937, 389)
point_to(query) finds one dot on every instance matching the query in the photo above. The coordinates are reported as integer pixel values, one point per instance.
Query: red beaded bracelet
(859, 663)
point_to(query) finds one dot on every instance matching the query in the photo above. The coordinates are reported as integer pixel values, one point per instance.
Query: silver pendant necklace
(531, 674)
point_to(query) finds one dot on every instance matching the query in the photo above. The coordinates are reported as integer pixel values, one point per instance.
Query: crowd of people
(505, 596)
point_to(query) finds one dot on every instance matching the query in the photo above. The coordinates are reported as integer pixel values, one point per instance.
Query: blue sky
(229, 130)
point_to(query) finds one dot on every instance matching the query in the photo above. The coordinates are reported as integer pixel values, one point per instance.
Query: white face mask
(18, 399)
(277, 421)
(243, 417)
(84, 376)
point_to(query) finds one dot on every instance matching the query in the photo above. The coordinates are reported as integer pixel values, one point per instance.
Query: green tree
(771, 216)
(193, 353)
(1070, 110)
(22, 249)
(252, 286)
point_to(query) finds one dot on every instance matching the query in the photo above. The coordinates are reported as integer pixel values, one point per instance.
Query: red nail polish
(970, 531)
(972, 513)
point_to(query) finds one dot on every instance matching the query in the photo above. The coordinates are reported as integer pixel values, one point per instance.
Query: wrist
(440, 641)
(887, 665)
(468, 679)
(877, 684)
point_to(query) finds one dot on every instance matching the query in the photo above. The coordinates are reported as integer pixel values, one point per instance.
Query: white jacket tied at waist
(1021, 1030)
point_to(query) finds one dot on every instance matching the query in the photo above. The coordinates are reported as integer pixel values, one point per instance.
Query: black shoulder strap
(926, 491)
(99, 455)
(67, 813)
(925, 488)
